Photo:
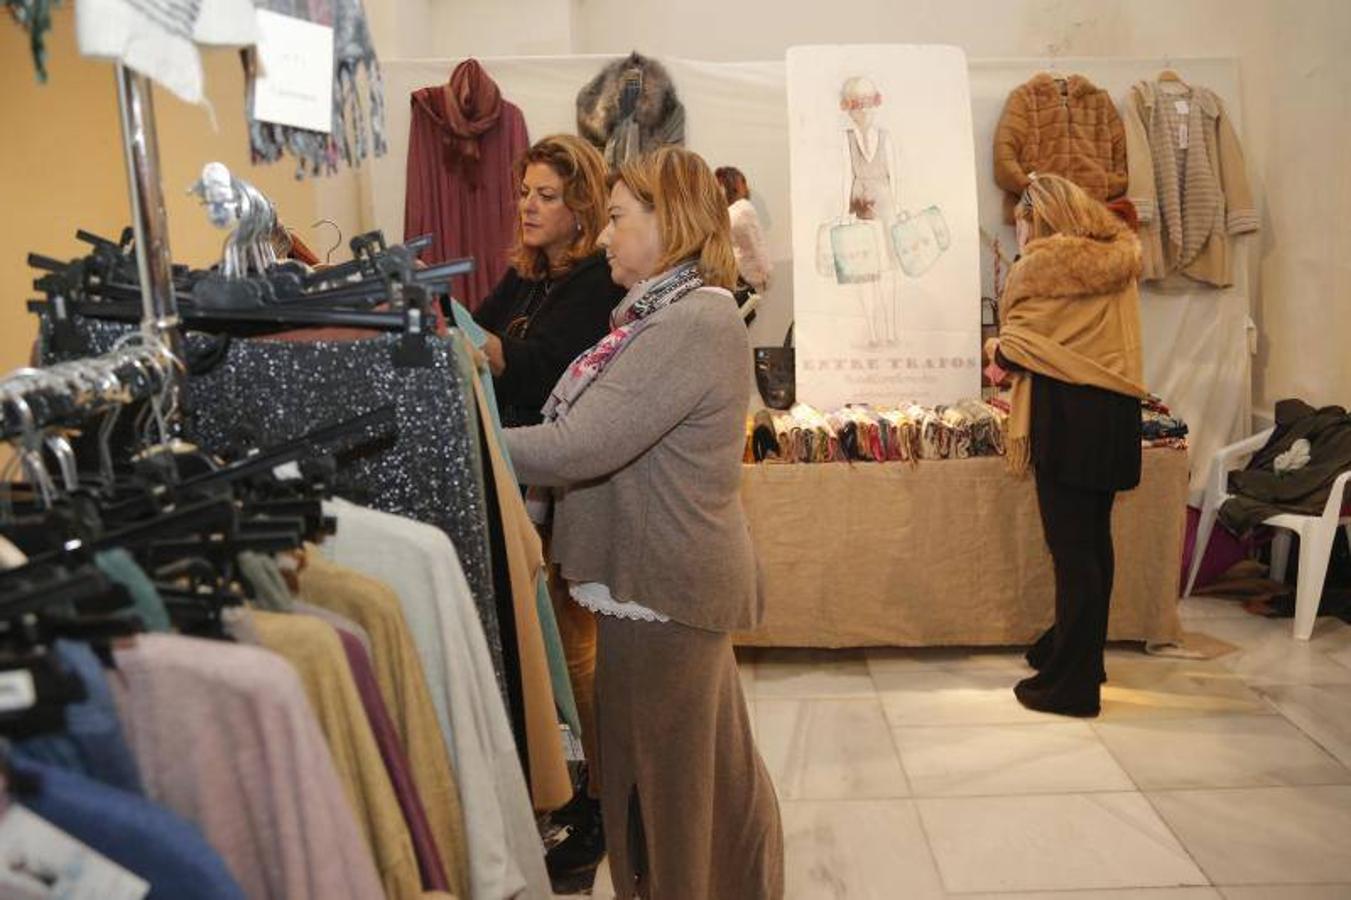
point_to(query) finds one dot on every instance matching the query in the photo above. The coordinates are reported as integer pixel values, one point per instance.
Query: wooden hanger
(1170, 75)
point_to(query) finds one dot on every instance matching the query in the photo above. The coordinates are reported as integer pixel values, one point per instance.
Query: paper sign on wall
(295, 82)
(886, 253)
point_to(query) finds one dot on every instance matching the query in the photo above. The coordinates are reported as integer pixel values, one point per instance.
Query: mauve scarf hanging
(473, 108)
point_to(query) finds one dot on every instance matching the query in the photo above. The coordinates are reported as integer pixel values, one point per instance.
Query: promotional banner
(886, 265)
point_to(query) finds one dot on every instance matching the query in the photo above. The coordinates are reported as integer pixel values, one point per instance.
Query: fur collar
(598, 102)
(1044, 86)
(1066, 266)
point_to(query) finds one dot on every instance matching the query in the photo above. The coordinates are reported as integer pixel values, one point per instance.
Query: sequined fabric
(263, 393)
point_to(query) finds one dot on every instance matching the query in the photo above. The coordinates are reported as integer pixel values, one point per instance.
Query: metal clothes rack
(65, 394)
(154, 262)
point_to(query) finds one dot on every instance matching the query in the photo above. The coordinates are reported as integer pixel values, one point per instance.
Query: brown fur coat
(1071, 311)
(1078, 135)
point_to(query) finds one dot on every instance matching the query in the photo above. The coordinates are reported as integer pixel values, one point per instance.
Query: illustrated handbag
(776, 375)
(919, 239)
(825, 256)
(858, 257)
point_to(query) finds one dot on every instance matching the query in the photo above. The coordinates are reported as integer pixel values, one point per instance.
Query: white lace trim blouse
(597, 597)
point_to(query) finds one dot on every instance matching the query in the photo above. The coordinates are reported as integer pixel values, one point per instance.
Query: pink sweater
(225, 737)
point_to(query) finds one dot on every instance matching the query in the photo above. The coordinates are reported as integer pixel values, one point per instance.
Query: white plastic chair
(1316, 533)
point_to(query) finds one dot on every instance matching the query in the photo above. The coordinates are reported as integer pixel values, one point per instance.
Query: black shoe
(576, 811)
(581, 851)
(1030, 695)
(1039, 654)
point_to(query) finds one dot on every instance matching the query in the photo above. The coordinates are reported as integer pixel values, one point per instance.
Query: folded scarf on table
(959, 424)
(987, 428)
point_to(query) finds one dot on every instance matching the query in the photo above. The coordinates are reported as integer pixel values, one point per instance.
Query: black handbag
(775, 373)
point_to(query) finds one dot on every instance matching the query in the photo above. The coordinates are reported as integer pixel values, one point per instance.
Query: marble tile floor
(915, 774)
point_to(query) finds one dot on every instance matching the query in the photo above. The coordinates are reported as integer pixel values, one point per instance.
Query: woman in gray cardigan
(642, 442)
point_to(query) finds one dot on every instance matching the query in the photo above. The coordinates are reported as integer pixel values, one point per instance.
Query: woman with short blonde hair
(643, 438)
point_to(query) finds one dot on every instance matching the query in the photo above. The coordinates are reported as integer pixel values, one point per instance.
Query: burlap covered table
(948, 553)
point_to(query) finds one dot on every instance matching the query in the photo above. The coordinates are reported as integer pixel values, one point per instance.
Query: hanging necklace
(519, 326)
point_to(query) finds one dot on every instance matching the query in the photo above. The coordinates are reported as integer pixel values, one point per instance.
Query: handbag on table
(776, 374)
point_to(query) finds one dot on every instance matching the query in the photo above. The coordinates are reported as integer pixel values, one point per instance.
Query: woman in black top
(552, 304)
(555, 300)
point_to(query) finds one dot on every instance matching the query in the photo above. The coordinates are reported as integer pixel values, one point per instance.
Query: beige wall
(1294, 67)
(61, 165)
(1296, 77)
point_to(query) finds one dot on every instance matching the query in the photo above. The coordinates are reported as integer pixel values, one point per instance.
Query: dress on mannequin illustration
(872, 174)
(874, 241)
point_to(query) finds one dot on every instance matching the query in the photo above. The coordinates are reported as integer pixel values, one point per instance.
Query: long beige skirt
(690, 812)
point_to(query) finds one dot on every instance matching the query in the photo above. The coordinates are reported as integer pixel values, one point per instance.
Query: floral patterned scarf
(629, 318)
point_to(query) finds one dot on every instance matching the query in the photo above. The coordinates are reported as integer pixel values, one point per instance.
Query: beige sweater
(314, 649)
(650, 456)
(1187, 180)
(398, 671)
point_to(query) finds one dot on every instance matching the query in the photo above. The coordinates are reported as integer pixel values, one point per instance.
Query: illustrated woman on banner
(875, 241)
(871, 200)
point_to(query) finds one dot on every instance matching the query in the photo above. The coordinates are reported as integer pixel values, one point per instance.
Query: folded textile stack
(1159, 427)
(901, 436)
(910, 432)
(862, 433)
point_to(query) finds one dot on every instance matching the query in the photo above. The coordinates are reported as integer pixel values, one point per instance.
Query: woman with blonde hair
(553, 303)
(643, 438)
(1071, 337)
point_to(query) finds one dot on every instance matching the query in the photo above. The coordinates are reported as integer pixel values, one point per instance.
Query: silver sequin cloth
(266, 392)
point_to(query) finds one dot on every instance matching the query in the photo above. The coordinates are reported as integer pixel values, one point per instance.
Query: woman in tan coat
(1071, 335)
(642, 441)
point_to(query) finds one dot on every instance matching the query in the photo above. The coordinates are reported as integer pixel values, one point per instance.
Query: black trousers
(1077, 523)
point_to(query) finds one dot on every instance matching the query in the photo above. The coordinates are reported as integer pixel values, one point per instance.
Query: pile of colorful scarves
(862, 433)
(1159, 427)
(909, 433)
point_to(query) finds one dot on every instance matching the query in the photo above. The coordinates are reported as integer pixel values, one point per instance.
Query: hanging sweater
(224, 736)
(404, 685)
(314, 649)
(1187, 180)
(506, 858)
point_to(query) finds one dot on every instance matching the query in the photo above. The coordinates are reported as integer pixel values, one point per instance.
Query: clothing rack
(140, 144)
(33, 400)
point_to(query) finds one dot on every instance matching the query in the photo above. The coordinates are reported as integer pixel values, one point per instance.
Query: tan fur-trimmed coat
(1070, 311)
(1077, 134)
